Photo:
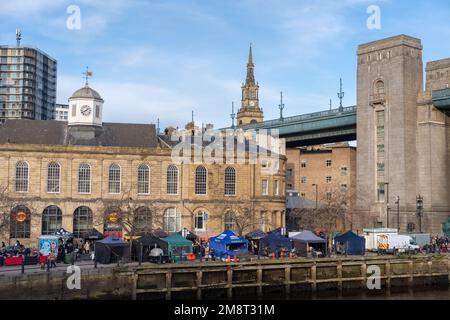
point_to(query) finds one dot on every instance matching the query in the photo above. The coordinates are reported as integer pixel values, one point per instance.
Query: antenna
(233, 115)
(18, 36)
(341, 95)
(281, 106)
(192, 116)
(331, 104)
(88, 74)
(157, 127)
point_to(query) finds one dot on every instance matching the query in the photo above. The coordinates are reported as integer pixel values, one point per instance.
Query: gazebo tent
(256, 235)
(63, 233)
(227, 244)
(350, 244)
(189, 235)
(274, 242)
(148, 242)
(159, 233)
(305, 239)
(177, 246)
(110, 249)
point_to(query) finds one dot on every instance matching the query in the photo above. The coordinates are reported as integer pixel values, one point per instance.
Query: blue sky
(163, 58)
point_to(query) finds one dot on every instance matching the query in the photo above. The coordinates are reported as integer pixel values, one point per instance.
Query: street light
(387, 205)
(397, 202)
(419, 210)
(317, 194)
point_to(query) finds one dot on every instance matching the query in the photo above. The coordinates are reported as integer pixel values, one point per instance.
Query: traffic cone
(228, 259)
(273, 255)
(235, 258)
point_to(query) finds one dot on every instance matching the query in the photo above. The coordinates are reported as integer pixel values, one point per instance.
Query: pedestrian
(212, 253)
(3, 245)
(52, 259)
(86, 247)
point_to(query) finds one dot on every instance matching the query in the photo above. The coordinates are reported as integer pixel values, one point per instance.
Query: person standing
(87, 247)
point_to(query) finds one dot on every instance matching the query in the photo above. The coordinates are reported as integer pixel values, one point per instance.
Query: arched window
(143, 220)
(172, 220)
(172, 180)
(84, 178)
(82, 221)
(230, 181)
(51, 220)
(22, 176)
(379, 87)
(200, 180)
(53, 177)
(143, 179)
(114, 179)
(200, 221)
(20, 223)
(230, 221)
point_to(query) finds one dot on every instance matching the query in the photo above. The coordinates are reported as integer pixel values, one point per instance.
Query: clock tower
(250, 112)
(85, 108)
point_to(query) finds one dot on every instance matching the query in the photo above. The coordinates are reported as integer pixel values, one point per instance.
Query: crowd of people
(438, 245)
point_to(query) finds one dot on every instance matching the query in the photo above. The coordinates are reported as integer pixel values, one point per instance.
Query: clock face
(252, 103)
(85, 110)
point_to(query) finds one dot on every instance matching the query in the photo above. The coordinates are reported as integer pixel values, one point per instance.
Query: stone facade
(403, 148)
(215, 203)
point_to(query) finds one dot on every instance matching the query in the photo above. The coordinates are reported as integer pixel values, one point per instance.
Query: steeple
(250, 112)
(250, 68)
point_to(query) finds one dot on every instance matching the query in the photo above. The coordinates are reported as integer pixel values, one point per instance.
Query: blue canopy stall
(350, 244)
(275, 242)
(227, 244)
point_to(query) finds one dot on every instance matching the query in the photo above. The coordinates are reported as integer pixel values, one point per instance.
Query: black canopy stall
(110, 250)
(147, 242)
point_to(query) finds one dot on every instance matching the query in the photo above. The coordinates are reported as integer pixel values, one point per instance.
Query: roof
(48, 132)
(348, 236)
(275, 237)
(112, 241)
(86, 92)
(177, 240)
(300, 203)
(228, 237)
(256, 234)
(308, 237)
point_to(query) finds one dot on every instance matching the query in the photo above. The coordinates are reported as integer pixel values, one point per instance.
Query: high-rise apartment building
(27, 83)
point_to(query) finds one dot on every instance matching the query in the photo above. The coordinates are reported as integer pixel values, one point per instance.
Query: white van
(394, 243)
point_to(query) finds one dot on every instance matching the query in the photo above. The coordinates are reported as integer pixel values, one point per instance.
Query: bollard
(95, 263)
(23, 266)
(48, 265)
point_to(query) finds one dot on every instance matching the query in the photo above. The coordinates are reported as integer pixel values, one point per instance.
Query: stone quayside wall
(222, 281)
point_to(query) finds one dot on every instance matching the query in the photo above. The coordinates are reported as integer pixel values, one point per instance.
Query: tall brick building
(81, 174)
(403, 136)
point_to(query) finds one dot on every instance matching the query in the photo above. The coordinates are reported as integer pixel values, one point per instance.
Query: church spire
(250, 68)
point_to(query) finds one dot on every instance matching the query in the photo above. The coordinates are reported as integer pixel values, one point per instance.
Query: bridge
(329, 126)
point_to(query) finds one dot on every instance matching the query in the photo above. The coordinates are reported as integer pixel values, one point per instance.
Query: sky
(164, 58)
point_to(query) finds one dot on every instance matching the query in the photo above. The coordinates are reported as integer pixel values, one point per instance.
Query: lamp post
(419, 210)
(397, 202)
(317, 194)
(387, 205)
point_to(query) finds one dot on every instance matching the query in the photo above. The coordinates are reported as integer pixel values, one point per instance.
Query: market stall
(275, 243)
(110, 250)
(178, 247)
(147, 243)
(63, 234)
(350, 244)
(228, 244)
(254, 238)
(93, 235)
(159, 233)
(307, 243)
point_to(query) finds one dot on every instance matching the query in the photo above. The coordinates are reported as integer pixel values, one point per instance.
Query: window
(303, 180)
(51, 220)
(344, 188)
(274, 220)
(200, 221)
(328, 163)
(22, 176)
(230, 221)
(264, 164)
(200, 180)
(303, 195)
(172, 220)
(172, 180)
(276, 189)
(379, 87)
(303, 164)
(97, 111)
(143, 179)
(53, 177)
(20, 223)
(344, 171)
(230, 181)
(290, 186)
(114, 179)
(84, 178)
(264, 187)
(74, 110)
(143, 220)
(289, 172)
(82, 221)
(329, 195)
(329, 179)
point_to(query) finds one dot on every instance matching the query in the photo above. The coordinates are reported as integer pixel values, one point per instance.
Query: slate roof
(86, 92)
(46, 132)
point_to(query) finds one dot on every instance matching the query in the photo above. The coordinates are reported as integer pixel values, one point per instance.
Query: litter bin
(68, 259)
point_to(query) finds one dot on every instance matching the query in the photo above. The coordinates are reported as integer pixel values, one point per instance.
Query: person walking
(87, 247)
(52, 259)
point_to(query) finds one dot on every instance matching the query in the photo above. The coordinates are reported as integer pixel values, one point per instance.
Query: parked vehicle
(395, 243)
(421, 239)
(371, 236)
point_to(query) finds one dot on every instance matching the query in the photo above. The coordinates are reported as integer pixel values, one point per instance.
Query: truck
(395, 243)
(371, 236)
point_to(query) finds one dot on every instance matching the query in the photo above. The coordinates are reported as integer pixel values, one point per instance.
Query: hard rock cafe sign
(113, 217)
(20, 216)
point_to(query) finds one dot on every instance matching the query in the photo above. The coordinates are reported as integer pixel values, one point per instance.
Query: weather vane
(341, 95)
(281, 106)
(88, 74)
